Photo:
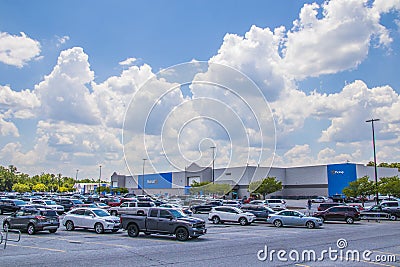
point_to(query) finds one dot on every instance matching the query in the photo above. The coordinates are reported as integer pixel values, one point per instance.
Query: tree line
(11, 180)
(363, 187)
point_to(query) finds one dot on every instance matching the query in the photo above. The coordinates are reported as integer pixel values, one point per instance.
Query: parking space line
(302, 265)
(49, 249)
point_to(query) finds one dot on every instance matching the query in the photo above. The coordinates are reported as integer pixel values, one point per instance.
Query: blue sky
(69, 69)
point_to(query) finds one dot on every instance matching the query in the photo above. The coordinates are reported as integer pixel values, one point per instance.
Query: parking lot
(223, 245)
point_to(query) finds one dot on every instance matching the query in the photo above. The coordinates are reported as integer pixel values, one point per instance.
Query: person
(309, 203)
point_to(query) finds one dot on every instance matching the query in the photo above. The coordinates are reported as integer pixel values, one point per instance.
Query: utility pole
(373, 144)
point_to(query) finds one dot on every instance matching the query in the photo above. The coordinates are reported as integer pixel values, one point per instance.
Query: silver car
(91, 218)
(293, 218)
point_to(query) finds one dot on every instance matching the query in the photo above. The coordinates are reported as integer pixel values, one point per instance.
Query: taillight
(40, 217)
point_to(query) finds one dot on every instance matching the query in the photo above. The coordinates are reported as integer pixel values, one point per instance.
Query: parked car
(232, 203)
(338, 198)
(293, 218)
(223, 214)
(50, 204)
(102, 205)
(68, 203)
(205, 207)
(186, 211)
(112, 202)
(390, 204)
(275, 204)
(32, 220)
(91, 218)
(339, 213)
(11, 205)
(139, 208)
(320, 199)
(164, 221)
(260, 211)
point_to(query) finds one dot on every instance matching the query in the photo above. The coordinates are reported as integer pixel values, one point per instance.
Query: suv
(276, 204)
(230, 214)
(11, 205)
(390, 204)
(324, 206)
(339, 213)
(33, 220)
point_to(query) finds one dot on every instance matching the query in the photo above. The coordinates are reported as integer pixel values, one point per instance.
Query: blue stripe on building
(339, 177)
(155, 181)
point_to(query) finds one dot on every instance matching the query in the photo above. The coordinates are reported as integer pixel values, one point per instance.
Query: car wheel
(52, 231)
(278, 223)
(31, 229)
(310, 224)
(114, 213)
(69, 226)
(349, 220)
(182, 234)
(99, 228)
(6, 226)
(243, 221)
(216, 220)
(133, 230)
(393, 217)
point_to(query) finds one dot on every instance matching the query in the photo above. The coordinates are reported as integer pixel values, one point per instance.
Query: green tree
(21, 188)
(266, 186)
(389, 186)
(39, 187)
(362, 187)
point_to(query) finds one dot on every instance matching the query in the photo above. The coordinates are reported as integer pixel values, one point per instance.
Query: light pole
(99, 180)
(76, 180)
(144, 160)
(373, 144)
(213, 161)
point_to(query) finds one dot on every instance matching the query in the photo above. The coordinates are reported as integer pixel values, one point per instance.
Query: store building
(306, 181)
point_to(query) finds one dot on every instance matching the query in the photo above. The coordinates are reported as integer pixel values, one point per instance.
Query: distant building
(305, 181)
(88, 188)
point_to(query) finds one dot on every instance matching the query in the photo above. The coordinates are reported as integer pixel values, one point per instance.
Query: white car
(223, 214)
(50, 204)
(91, 218)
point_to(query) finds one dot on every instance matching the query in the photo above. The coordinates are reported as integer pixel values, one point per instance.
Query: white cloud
(62, 40)
(17, 50)
(64, 93)
(21, 104)
(337, 41)
(128, 61)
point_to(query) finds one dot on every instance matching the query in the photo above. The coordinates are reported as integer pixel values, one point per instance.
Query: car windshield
(19, 202)
(177, 214)
(50, 202)
(101, 213)
(101, 204)
(76, 201)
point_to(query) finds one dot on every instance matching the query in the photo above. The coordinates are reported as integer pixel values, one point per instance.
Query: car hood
(190, 220)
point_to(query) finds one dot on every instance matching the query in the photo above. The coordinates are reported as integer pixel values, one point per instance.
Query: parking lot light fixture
(144, 161)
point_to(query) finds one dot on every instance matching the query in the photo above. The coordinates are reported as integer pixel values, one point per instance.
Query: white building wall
(369, 171)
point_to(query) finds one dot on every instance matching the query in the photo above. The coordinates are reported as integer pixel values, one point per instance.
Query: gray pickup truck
(164, 221)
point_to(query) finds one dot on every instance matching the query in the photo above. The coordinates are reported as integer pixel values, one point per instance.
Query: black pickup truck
(164, 221)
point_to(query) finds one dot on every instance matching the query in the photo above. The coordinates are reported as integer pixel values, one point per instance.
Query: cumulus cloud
(333, 37)
(17, 50)
(128, 61)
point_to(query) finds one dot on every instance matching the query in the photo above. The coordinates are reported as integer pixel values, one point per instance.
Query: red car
(113, 202)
